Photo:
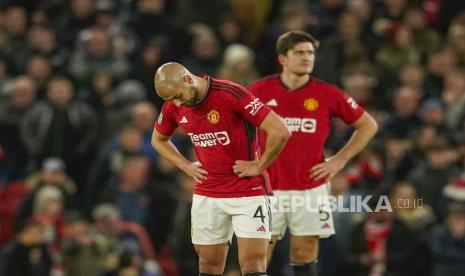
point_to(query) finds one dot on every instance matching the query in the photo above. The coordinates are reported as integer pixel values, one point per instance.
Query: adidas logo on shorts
(325, 226)
(261, 229)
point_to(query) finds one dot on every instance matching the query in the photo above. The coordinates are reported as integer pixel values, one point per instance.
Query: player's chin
(304, 71)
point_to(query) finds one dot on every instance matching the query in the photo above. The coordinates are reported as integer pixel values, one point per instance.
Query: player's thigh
(271, 246)
(210, 224)
(312, 216)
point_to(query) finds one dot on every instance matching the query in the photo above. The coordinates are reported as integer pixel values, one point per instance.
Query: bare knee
(304, 251)
(251, 264)
(211, 261)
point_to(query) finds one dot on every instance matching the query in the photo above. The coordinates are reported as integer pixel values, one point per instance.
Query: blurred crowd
(82, 192)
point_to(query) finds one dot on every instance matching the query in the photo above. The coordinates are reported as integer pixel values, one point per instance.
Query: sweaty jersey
(307, 112)
(222, 128)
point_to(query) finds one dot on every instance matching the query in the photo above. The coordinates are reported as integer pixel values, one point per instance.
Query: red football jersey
(222, 129)
(307, 112)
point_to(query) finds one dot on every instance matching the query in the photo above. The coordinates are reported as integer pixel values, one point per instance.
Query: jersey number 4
(259, 214)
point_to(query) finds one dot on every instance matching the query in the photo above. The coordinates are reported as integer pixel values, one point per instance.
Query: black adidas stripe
(239, 94)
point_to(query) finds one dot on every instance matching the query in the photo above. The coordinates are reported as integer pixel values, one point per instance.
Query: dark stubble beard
(195, 99)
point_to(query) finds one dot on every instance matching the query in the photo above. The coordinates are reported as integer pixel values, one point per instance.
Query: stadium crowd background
(83, 193)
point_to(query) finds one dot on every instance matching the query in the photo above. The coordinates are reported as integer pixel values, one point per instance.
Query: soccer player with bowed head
(230, 196)
(307, 105)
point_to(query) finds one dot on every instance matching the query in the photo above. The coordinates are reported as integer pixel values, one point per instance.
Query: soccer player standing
(300, 171)
(221, 117)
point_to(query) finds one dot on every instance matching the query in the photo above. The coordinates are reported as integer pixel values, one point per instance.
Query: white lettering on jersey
(306, 125)
(210, 139)
(254, 106)
(352, 103)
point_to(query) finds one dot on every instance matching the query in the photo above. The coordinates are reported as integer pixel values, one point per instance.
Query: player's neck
(293, 81)
(202, 87)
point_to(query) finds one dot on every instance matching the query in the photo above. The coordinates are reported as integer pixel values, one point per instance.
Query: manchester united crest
(311, 104)
(213, 116)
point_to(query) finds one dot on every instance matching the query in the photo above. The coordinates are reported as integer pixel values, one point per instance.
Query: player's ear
(188, 79)
(282, 59)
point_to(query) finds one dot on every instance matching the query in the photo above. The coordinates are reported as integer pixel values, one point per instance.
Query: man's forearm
(358, 141)
(274, 144)
(167, 150)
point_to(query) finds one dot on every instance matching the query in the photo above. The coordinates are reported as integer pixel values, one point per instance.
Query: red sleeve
(251, 108)
(343, 106)
(166, 123)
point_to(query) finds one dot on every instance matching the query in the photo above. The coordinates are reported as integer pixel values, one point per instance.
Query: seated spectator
(454, 191)
(404, 120)
(107, 222)
(53, 173)
(142, 116)
(393, 55)
(130, 191)
(410, 209)
(430, 177)
(98, 55)
(110, 161)
(85, 252)
(238, 65)
(27, 254)
(383, 245)
(447, 243)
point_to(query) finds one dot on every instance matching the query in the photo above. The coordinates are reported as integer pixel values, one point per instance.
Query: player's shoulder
(228, 89)
(265, 82)
(324, 85)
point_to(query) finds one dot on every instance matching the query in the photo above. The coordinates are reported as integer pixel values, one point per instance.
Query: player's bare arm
(277, 136)
(366, 127)
(166, 149)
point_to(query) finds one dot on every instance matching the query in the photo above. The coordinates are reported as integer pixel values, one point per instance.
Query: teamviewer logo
(222, 138)
(210, 139)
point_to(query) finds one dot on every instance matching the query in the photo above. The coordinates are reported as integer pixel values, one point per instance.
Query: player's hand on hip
(196, 171)
(244, 168)
(327, 169)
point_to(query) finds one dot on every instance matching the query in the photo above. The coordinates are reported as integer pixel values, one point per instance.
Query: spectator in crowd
(79, 16)
(110, 161)
(453, 96)
(447, 243)
(131, 192)
(61, 127)
(143, 116)
(454, 191)
(23, 92)
(381, 244)
(403, 122)
(84, 251)
(430, 178)
(39, 69)
(402, 60)
(27, 254)
(238, 65)
(42, 40)
(410, 209)
(97, 55)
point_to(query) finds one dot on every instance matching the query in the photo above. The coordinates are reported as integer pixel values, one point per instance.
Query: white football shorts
(305, 212)
(214, 220)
